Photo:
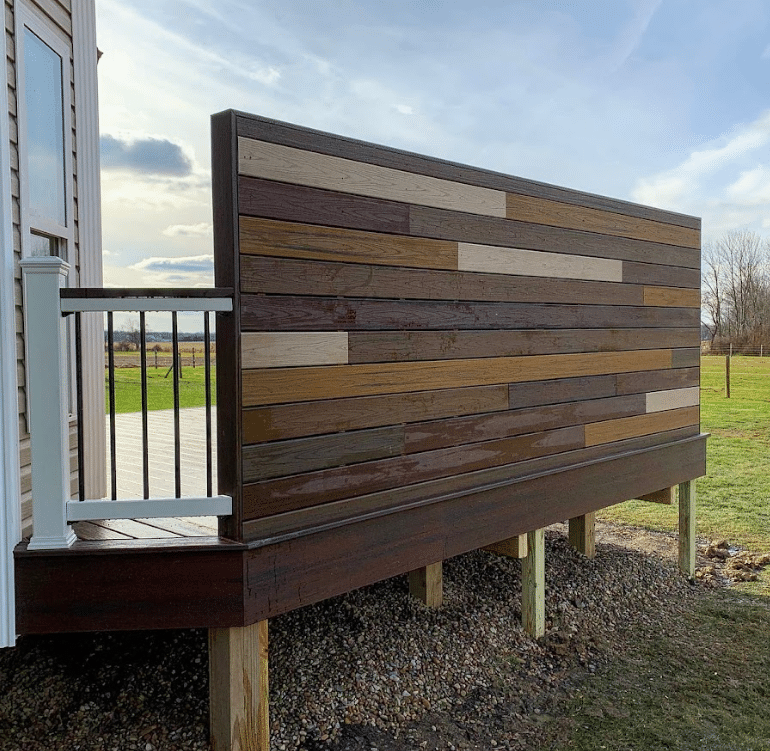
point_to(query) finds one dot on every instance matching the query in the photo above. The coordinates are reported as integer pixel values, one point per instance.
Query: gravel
(373, 669)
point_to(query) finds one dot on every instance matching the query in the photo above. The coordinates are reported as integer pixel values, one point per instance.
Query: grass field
(733, 499)
(160, 390)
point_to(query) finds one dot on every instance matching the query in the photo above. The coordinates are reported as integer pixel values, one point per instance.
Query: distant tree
(134, 333)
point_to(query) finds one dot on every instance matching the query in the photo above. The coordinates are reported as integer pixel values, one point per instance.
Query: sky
(661, 102)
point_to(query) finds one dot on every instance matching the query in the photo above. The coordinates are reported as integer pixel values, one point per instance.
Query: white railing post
(47, 399)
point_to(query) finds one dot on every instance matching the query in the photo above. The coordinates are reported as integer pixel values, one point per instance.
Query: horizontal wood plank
(672, 297)
(686, 358)
(295, 420)
(286, 164)
(676, 378)
(298, 313)
(290, 240)
(629, 427)
(495, 260)
(297, 203)
(272, 349)
(281, 276)
(261, 461)
(656, 274)
(286, 494)
(401, 346)
(426, 436)
(659, 401)
(450, 225)
(278, 385)
(411, 496)
(557, 214)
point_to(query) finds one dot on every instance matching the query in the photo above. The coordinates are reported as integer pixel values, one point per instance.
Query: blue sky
(663, 102)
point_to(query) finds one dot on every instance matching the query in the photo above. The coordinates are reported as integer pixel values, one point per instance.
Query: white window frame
(28, 18)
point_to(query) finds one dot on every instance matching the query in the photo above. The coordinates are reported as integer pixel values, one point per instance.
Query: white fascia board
(152, 508)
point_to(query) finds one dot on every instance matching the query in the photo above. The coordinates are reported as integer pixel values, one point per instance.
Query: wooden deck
(161, 452)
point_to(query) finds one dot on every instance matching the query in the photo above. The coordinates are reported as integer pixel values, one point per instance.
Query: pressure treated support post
(582, 534)
(513, 547)
(687, 527)
(238, 695)
(533, 585)
(427, 584)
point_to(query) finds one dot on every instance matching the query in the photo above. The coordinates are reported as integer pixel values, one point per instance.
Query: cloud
(203, 229)
(145, 154)
(174, 267)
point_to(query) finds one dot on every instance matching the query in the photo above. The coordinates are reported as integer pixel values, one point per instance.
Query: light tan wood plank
(687, 551)
(665, 496)
(275, 162)
(513, 547)
(582, 534)
(631, 427)
(279, 385)
(494, 260)
(671, 297)
(533, 585)
(267, 237)
(557, 214)
(659, 401)
(272, 349)
(427, 584)
(238, 688)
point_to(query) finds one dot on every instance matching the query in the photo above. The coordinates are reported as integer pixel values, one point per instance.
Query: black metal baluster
(111, 377)
(79, 407)
(177, 448)
(145, 444)
(207, 368)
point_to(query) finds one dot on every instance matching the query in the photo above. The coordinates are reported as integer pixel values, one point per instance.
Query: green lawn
(160, 390)
(734, 497)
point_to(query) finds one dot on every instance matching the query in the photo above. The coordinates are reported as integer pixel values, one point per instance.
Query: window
(45, 136)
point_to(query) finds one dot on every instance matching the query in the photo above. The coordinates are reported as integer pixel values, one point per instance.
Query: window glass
(44, 130)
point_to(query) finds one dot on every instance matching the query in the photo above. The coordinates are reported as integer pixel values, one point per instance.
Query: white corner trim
(84, 58)
(10, 493)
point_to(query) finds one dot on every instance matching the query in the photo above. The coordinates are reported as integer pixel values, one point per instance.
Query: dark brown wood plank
(286, 276)
(428, 436)
(442, 224)
(91, 531)
(661, 275)
(661, 380)
(182, 527)
(295, 313)
(96, 590)
(262, 461)
(686, 358)
(224, 176)
(276, 496)
(313, 567)
(398, 346)
(297, 203)
(295, 420)
(286, 134)
(404, 498)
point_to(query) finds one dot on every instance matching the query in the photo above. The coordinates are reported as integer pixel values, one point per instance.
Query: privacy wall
(446, 355)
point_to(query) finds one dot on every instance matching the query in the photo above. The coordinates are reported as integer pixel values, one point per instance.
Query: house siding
(59, 15)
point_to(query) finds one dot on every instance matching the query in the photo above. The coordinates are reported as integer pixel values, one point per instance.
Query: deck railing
(47, 306)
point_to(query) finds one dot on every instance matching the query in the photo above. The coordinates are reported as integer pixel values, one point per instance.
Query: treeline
(736, 291)
(133, 337)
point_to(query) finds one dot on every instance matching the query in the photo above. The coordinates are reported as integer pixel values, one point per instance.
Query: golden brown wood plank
(665, 496)
(296, 420)
(513, 547)
(630, 427)
(582, 534)
(671, 297)
(553, 213)
(427, 584)
(268, 237)
(276, 349)
(495, 260)
(280, 385)
(300, 167)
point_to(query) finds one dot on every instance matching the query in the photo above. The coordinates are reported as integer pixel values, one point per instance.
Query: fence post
(727, 375)
(47, 399)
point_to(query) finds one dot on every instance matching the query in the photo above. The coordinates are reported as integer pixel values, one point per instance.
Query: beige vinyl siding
(59, 14)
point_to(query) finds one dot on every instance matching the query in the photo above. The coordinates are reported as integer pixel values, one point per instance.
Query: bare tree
(134, 333)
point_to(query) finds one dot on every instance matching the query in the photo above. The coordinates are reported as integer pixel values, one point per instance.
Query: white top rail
(137, 304)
